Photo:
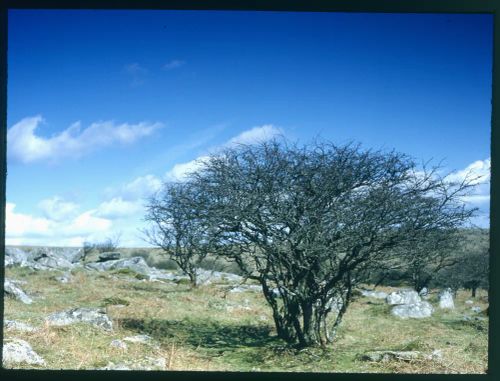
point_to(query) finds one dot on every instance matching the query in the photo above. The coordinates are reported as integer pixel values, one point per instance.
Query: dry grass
(207, 329)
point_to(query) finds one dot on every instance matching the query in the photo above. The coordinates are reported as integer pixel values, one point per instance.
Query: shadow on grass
(203, 334)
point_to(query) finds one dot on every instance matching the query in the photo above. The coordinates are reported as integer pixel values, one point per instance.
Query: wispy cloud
(23, 145)
(136, 72)
(256, 135)
(118, 208)
(173, 64)
(179, 172)
(58, 209)
(139, 188)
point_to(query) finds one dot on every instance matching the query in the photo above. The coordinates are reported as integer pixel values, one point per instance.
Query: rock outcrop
(415, 310)
(386, 356)
(13, 325)
(446, 299)
(403, 297)
(374, 294)
(13, 291)
(17, 351)
(94, 316)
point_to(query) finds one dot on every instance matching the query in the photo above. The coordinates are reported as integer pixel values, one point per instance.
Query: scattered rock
(17, 351)
(109, 256)
(476, 309)
(403, 297)
(205, 277)
(424, 293)
(94, 316)
(118, 344)
(13, 291)
(142, 339)
(374, 294)
(148, 363)
(15, 256)
(446, 299)
(134, 264)
(437, 355)
(71, 254)
(13, 325)
(246, 288)
(55, 262)
(65, 278)
(416, 310)
(385, 356)
(469, 302)
(473, 318)
(155, 274)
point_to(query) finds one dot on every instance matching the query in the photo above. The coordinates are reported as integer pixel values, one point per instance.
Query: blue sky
(105, 105)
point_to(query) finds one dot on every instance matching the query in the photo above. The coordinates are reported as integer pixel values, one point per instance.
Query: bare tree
(177, 228)
(310, 223)
(471, 263)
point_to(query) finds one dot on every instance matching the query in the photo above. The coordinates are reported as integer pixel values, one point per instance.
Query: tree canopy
(311, 222)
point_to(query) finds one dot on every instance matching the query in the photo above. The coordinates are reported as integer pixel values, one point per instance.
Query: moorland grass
(208, 328)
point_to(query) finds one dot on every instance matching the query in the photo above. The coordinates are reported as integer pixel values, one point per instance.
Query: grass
(208, 329)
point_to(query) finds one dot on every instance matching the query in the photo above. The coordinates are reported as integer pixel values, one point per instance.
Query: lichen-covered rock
(143, 339)
(13, 325)
(415, 310)
(17, 351)
(446, 299)
(205, 277)
(386, 356)
(109, 256)
(52, 261)
(94, 316)
(13, 291)
(374, 294)
(476, 309)
(403, 297)
(135, 264)
(424, 293)
(64, 278)
(246, 288)
(118, 344)
(15, 256)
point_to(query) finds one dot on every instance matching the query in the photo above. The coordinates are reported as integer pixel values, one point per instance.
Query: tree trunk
(474, 292)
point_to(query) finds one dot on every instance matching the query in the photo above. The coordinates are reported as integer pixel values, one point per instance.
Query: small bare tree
(176, 227)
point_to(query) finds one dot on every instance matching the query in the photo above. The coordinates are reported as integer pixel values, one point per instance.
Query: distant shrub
(114, 301)
(166, 264)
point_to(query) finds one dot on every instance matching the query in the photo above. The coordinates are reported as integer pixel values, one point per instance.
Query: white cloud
(255, 135)
(118, 208)
(28, 229)
(478, 172)
(173, 64)
(23, 145)
(139, 188)
(57, 209)
(179, 172)
(18, 225)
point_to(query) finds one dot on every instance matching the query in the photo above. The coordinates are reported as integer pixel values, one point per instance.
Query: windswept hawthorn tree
(310, 223)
